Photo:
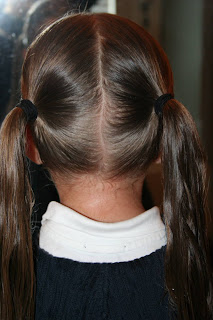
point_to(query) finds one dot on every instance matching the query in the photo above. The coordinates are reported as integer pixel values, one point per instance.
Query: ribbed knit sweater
(82, 290)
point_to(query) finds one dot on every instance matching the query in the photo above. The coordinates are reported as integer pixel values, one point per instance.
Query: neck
(100, 200)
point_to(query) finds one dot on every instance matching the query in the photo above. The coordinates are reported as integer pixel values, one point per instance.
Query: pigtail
(187, 264)
(16, 270)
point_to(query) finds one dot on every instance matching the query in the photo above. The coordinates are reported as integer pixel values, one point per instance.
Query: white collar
(66, 233)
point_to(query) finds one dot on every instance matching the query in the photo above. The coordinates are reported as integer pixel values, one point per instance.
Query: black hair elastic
(160, 102)
(29, 109)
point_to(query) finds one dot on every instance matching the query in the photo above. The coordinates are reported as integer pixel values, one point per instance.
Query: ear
(158, 160)
(31, 150)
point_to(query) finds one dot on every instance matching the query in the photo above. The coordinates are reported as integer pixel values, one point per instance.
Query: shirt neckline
(68, 234)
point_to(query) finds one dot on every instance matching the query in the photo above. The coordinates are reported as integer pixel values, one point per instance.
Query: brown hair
(94, 79)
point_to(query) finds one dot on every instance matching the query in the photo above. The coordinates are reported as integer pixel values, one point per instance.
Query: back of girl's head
(94, 79)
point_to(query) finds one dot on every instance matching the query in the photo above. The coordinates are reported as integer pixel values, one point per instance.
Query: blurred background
(184, 28)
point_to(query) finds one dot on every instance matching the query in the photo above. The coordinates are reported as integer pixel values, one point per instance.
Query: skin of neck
(101, 200)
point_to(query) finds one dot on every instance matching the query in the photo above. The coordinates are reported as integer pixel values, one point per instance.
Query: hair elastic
(29, 109)
(160, 102)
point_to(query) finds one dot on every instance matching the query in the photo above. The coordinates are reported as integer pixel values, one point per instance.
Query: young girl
(98, 109)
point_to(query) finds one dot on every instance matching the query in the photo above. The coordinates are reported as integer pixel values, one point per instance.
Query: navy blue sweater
(133, 290)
